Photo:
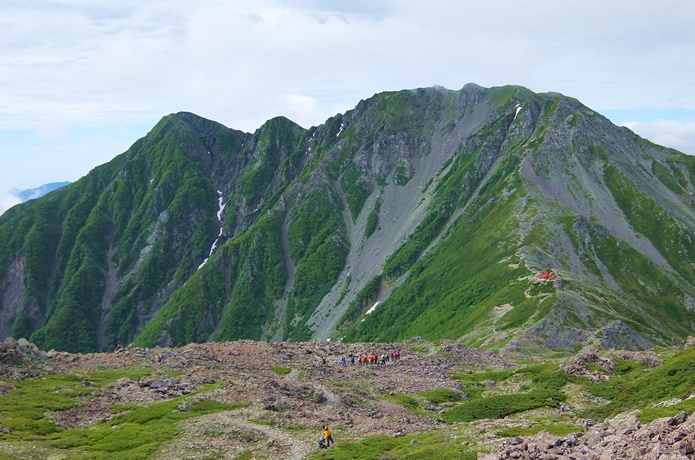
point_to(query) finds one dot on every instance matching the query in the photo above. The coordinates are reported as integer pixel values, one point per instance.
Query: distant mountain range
(498, 217)
(38, 192)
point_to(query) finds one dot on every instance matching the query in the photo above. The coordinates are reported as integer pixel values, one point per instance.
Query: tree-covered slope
(418, 213)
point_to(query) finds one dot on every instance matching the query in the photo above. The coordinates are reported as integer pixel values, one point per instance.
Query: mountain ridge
(440, 205)
(38, 192)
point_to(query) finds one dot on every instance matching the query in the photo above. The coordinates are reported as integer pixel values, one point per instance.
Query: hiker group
(367, 359)
(363, 360)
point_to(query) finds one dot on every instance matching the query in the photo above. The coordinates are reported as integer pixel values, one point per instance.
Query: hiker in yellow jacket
(327, 435)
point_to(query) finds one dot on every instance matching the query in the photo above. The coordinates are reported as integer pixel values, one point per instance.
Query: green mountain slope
(418, 213)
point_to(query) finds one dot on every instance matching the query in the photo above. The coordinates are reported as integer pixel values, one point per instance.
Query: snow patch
(221, 207)
(376, 304)
(516, 110)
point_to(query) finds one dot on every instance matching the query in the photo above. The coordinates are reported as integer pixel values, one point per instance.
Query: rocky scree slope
(433, 210)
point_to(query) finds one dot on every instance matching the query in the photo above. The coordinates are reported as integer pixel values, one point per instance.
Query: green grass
(544, 390)
(501, 406)
(135, 431)
(478, 377)
(372, 220)
(442, 395)
(474, 384)
(434, 445)
(137, 434)
(140, 431)
(557, 429)
(637, 388)
(652, 413)
(27, 409)
(408, 401)
(338, 384)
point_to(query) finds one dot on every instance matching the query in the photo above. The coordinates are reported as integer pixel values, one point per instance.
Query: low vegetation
(254, 400)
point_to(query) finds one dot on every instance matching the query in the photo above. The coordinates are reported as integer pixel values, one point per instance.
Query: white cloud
(300, 105)
(7, 200)
(7, 197)
(80, 63)
(674, 134)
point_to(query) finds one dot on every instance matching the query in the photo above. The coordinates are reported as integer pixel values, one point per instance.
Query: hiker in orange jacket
(327, 435)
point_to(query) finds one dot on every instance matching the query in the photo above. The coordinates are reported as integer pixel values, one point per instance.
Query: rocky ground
(311, 394)
(289, 385)
(622, 437)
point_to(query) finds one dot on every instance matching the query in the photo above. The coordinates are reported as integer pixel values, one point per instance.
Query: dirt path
(230, 434)
(298, 448)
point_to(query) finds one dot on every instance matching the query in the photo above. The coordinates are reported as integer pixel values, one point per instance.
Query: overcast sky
(82, 80)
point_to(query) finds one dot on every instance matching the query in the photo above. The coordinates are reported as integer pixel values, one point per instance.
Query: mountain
(38, 192)
(498, 217)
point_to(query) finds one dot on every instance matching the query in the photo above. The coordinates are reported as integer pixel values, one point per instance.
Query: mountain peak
(427, 212)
